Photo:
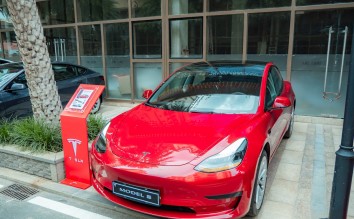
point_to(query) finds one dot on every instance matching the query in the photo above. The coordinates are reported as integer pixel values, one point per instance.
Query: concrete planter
(47, 165)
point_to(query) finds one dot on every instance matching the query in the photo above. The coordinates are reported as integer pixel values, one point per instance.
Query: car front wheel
(259, 185)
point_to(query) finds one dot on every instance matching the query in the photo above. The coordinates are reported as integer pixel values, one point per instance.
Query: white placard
(81, 99)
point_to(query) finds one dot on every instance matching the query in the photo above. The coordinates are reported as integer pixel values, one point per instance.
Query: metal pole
(343, 170)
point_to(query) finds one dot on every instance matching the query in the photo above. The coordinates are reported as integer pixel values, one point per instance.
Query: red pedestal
(74, 135)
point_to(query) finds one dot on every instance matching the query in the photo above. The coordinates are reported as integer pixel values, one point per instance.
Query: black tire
(291, 126)
(97, 106)
(259, 186)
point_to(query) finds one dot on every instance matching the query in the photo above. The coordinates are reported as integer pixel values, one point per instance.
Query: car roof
(250, 68)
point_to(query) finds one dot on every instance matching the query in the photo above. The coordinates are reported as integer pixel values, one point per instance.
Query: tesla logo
(74, 143)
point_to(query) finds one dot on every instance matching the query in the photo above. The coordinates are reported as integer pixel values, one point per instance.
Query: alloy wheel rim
(261, 182)
(95, 107)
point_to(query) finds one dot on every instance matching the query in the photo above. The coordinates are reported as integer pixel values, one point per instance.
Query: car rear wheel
(97, 106)
(259, 185)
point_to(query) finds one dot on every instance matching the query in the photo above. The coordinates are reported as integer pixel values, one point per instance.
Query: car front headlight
(101, 140)
(227, 159)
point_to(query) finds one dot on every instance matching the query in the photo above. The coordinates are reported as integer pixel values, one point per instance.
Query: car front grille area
(163, 207)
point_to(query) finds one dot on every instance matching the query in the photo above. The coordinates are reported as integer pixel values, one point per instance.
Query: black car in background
(14, 97)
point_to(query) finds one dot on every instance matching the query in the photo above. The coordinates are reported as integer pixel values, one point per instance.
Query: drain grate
(18, 192)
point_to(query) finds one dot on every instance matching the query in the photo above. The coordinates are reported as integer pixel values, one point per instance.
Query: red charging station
(73, 121)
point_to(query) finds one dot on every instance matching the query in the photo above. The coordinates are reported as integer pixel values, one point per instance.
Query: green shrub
(95, 123)
(39, 136)
(5, 127)
(36, 136)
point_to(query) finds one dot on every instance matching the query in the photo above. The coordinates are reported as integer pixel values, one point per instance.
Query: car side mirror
(17, 86)
(281, 102)
(147, 94)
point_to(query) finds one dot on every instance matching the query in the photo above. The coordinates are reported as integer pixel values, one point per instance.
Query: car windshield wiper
(156, 105)
(205, 112)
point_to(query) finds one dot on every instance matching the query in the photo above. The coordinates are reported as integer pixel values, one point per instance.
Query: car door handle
(269, 131)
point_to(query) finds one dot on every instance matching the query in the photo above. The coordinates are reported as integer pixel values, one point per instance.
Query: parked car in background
(14, 95)
(200, 146)
(5, 61)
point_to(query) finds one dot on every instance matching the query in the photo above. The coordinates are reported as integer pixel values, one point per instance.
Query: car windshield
(226, 89)
(8, 72)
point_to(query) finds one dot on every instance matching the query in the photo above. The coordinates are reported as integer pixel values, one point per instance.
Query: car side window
(277, 79)
(21, 79)
(271, 92)
(64, 72)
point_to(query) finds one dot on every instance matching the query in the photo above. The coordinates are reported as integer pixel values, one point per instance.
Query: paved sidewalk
(299, 181)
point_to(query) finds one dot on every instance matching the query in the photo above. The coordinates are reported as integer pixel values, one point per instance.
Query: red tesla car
(200, 146)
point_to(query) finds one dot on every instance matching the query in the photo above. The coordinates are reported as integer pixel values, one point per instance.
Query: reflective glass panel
(90, 47)
(56, 11)
(147, 76)
(225, 5)
(268, 38)
(146, 8)
(321, 59)
(62, 44)
(9, 46)
(186, 38)
(147, 39)
(225, 37)
(175, 65)
(184, 6)
(118, 61)
(5, 21)
(318, 2)
(97, 10)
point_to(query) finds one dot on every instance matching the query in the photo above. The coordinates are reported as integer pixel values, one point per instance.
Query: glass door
(337, 37)
(320, 66)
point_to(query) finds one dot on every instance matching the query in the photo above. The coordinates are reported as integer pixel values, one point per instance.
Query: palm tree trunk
(34, 52)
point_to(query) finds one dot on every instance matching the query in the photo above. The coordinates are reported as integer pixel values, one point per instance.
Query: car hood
(163, 137)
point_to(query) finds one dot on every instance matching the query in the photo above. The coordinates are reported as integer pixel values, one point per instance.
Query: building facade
(135, 44)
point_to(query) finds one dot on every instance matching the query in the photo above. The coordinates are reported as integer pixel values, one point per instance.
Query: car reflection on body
(200, 146)
(14, 96)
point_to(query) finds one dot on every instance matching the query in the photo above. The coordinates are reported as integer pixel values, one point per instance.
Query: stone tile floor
(301, 172)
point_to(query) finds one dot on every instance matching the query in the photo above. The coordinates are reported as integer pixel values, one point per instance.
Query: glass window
(225, 5)
(147, 76)
(62, 44)
(268, 38)
(90, 47)
(312, 28)
(5, 20)
(146, 8)
(225, 37)
(97, 10)
(56, 11)
(318, 2)
(147, 38)
(271, 92)
(184, 6)
(10, 47)
(118, 61)
(278, 80)
(186, 38)
(175, 65)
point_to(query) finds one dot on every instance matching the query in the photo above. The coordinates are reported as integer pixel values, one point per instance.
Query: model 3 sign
(74, 143)
(138, 194)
